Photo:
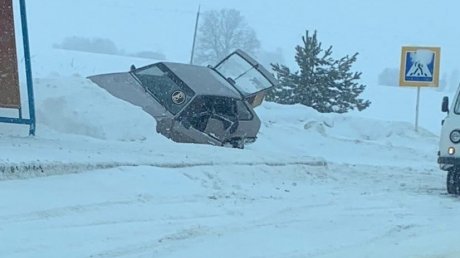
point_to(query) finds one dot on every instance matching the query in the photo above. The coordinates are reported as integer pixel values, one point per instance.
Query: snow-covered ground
(97, 181)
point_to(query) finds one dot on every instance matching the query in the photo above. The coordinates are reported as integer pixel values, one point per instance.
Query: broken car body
(197, 104)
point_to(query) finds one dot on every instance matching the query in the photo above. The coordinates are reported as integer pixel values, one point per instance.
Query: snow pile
(351, 126)
(398, 104)
(342, 137)
(78, 106)
(82, 125)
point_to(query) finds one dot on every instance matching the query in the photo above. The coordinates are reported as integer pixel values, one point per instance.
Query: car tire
(238, 143)
(453, 182)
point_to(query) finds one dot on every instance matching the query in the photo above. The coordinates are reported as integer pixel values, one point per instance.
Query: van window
(457, 105)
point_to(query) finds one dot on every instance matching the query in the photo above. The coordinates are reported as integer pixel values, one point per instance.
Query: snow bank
(342, 137)
(345, 126)
(77, 106)
(398, 104)
(80, 123)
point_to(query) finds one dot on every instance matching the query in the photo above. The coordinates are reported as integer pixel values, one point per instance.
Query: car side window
(157, 82)
(152, 71)
(171, 92)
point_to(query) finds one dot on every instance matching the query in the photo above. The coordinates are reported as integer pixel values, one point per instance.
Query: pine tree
(322, 82)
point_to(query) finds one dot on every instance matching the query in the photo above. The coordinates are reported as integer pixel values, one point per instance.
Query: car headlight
(455, 136)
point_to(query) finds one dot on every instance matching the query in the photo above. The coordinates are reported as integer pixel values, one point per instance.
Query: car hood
(124, 86)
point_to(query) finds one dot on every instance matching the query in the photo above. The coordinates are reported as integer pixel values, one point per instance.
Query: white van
(449, 146)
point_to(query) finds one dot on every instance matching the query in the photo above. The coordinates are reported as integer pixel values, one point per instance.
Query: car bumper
(449, 160)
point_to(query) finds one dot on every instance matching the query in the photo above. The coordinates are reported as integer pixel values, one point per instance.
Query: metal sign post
(9, 42)
(419, 68)
(194, 34)
(30, 88)
(417, 109)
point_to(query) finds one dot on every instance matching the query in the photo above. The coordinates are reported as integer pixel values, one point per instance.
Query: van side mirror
(445, 104)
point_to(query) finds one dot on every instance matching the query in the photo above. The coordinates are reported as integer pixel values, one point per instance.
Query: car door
(247, 76)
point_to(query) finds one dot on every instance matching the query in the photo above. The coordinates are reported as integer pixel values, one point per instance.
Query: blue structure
(30, 93)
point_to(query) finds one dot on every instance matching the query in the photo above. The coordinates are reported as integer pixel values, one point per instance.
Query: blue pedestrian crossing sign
(420, 66)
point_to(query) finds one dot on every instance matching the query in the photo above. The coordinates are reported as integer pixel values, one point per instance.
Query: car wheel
(238, 143)
(453, 184)
(234, 143)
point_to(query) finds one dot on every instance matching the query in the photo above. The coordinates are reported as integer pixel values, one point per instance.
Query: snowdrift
(82, 126)
(77, 106)
(343, 137)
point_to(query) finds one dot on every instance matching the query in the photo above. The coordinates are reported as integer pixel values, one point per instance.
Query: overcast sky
(376, 29)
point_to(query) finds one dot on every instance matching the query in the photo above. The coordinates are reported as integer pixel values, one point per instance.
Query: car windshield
(167, 89)
(246, 77)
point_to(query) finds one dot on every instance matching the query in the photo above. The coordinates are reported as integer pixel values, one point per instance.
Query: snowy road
(336, 210)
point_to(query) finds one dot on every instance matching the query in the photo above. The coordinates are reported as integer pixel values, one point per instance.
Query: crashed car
(197, 104)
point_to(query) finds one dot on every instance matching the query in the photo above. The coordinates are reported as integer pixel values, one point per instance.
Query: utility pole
(194, 35)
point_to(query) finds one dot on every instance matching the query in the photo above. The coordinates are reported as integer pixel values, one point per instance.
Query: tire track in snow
(25, 170)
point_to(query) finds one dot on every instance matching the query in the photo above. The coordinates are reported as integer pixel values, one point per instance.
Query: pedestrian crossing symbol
(420, 66)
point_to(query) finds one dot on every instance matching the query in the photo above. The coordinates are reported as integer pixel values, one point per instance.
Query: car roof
(203, 80)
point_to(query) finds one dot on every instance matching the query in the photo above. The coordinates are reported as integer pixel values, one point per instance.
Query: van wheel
(453, 182)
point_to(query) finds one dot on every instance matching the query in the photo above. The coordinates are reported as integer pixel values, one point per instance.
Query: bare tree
(221, 32)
